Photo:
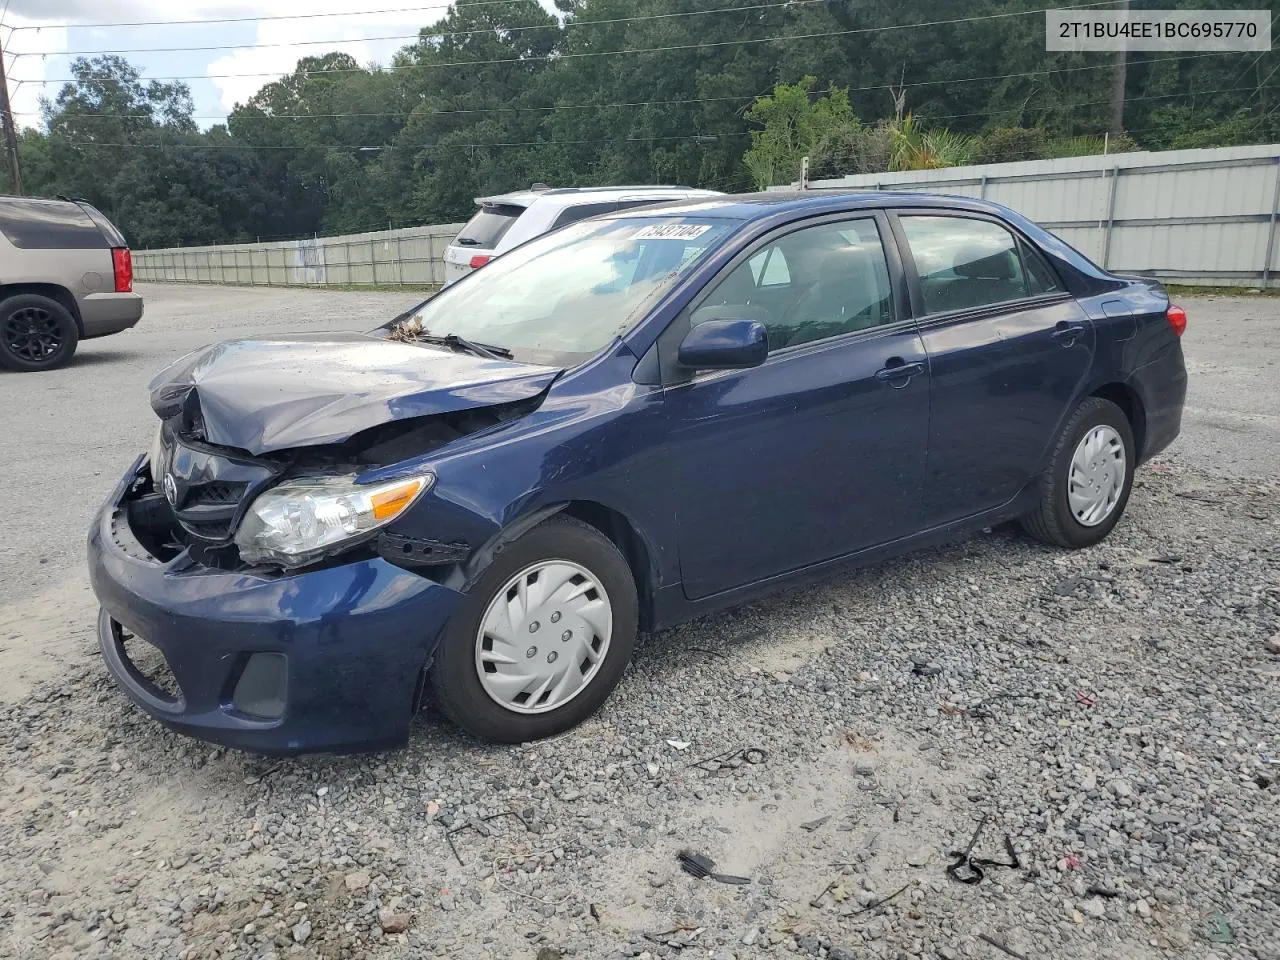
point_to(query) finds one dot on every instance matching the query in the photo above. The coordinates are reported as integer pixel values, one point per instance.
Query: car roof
(568, 196)
(752, 206)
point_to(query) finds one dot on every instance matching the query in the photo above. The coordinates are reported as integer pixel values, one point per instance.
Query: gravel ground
(1111, 712)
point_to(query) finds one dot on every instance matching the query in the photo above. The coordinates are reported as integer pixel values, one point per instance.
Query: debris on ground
(1216, 929)
(477, 826)
(703, 867)
(969, 869)
(731, 758)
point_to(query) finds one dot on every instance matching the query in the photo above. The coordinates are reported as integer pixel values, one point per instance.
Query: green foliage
(912, 146)
(494, 96)
(1011, 144)
(849, 149)
(794, 123)
(1089, 145)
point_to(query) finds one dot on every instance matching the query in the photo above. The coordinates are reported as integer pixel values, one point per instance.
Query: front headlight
(304, 520)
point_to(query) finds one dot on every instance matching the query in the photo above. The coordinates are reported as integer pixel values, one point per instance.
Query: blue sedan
(633, 421)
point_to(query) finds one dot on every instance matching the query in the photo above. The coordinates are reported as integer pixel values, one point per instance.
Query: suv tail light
(122, 261)
(1177, 318)
(479, 260)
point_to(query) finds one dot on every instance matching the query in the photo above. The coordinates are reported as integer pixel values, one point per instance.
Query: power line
(495, 31)
(262, 19)
(634, 103)
(1091, 103)
(633, 50)
(696, 137)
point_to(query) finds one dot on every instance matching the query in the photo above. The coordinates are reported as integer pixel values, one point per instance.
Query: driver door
(820, 451)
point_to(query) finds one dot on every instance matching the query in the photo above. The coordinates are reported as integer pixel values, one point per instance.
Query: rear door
(475, 244)
(1008, 350)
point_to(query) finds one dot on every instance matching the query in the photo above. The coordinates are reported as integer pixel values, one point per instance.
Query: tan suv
(65, 275)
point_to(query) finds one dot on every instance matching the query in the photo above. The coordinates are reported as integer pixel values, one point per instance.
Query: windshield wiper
(462, 343)
(467, 241)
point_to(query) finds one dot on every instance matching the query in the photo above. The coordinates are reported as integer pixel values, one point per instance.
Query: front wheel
(542, 638)
(1084, 492)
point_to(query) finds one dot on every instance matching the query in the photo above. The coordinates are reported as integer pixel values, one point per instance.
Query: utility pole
(10, 133)
(1117, 87)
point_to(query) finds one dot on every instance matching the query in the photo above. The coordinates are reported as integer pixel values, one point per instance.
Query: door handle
(897, 373)
(1068, 333)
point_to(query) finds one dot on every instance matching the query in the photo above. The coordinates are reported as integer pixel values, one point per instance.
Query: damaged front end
(262, 443)
(293, 508)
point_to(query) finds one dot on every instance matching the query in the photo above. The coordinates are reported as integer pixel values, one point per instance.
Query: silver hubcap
(543, 637)
(1097, 476)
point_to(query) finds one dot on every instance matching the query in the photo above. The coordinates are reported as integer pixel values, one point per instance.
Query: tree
(494, 96)
(794, 123)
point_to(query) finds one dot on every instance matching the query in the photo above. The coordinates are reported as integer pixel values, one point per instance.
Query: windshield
(563, 297)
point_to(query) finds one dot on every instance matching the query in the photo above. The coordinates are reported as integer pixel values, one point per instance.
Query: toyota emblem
(170, 489)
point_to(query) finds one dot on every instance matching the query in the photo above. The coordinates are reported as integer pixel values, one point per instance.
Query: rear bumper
(1162, 386)
(325, 660)
(106, 313)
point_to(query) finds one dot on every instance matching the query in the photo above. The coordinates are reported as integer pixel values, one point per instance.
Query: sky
(48, 34)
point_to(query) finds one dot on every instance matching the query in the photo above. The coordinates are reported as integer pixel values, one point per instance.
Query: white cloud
(240, 73)
(236, 73)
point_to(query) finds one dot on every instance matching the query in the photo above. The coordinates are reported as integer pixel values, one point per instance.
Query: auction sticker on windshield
(673, 231)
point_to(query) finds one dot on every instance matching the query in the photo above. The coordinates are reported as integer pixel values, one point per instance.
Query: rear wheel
(1086, 488)
(541, 640)
(36, 333)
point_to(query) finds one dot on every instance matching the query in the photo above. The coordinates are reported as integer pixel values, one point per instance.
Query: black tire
(36, 333)
(454, 679)
(1052, 522)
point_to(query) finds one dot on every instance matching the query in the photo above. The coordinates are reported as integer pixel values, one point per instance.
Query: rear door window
(487, 228)
(964, 263)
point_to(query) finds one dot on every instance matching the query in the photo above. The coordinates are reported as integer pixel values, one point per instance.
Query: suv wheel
(1084, 492)
(36, 333)
(541, 640)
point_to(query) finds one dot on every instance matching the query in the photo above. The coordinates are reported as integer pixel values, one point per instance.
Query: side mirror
(724, 345)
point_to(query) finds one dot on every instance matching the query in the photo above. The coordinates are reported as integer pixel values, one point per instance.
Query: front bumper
(335, 654)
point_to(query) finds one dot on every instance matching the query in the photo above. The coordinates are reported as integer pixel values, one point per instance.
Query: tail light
(122, 261)
(479, 260)
(1177, 318)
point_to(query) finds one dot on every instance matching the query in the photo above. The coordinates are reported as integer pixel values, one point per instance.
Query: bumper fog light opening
(262, 690)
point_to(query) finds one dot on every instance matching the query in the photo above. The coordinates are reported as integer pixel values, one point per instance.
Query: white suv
(509, 220)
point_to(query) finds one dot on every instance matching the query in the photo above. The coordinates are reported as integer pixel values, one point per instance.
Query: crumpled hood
(305, 390)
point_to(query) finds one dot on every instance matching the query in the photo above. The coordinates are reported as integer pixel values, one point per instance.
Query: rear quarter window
(49, 225)
(113, 236)
(487, 228)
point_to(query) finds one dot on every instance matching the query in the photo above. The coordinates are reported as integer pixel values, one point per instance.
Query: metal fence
(413, 256)
(1185, 216)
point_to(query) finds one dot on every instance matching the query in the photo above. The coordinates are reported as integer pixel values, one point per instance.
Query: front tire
(542, 638)
(1084, 492)
(36, 333)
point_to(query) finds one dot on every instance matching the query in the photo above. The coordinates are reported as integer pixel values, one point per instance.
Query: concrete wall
(1186, 216)
(410, 256)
